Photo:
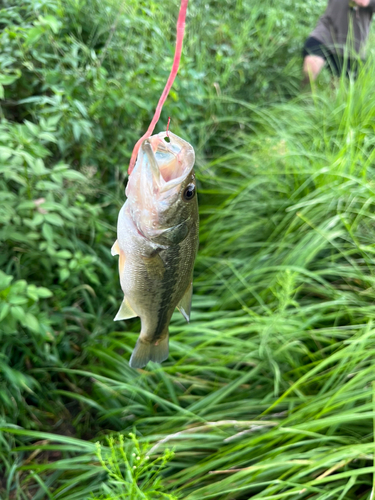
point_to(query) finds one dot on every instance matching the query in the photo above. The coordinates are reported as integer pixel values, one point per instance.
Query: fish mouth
(170, 158)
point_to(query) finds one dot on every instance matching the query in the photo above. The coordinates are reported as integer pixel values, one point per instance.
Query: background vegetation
(268, 393)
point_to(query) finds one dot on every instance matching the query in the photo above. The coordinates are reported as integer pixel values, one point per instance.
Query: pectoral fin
(184, 306)
(125, 311)
(115, 250)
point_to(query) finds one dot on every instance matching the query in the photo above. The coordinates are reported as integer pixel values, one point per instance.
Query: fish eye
(189, 192)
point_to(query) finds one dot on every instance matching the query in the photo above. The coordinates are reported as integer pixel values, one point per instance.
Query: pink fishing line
(167, 88)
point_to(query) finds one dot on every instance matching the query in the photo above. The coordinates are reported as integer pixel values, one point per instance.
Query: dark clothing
(335, 61)
(344, 23)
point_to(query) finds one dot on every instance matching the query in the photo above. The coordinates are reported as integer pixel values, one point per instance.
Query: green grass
(269, 392)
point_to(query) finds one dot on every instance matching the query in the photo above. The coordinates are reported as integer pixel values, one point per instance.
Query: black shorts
(336, 62)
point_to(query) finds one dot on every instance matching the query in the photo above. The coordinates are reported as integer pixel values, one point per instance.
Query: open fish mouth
(156, 185)
(170, 159)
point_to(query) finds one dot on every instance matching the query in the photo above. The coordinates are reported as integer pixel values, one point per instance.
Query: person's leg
(353, 67)
(314, 55)
(312, 66)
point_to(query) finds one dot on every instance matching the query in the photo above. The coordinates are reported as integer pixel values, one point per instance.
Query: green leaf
(6, 79)
(39, 168)
(43, 292)
(60, 167)
(32, 236)
(64, 254)
(47, 136)
(4, 310)
(64, 274)
(77, 130)
(17, 300)
(5, 152)
(50, 21)
(33, 35)
(18, 313)
(19, 286)
(5, 280)
(34, 129)
(47, 185)
(81, 107)
(26, 205)
(52, 121)
(32, 323)
(47, 232)
(54, 219)
(74, 175)
(32, 293)
(38, 219)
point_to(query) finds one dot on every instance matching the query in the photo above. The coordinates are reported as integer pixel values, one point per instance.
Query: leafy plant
(132, 474)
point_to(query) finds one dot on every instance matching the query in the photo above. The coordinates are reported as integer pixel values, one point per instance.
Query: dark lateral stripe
(168, 287)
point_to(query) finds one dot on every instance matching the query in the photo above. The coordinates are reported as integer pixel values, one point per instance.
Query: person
(342, 29)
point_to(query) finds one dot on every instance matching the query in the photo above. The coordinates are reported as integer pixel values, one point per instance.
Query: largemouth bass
(157, 239)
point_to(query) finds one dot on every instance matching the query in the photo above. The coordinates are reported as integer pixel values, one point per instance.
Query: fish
(157, 242)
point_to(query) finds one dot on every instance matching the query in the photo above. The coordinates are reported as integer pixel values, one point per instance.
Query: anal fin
(184, 306)
(125, 311)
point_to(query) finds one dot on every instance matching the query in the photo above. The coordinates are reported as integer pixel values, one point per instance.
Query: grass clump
(131, 472)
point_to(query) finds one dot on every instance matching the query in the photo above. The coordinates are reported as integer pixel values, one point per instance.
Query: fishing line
(176, 63)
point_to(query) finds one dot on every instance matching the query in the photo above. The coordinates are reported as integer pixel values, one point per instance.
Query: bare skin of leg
(312, 66)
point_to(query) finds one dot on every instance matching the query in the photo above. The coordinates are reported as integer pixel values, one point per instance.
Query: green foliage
(50, 236)
(131, 472)
(268, 392)
(19, 310)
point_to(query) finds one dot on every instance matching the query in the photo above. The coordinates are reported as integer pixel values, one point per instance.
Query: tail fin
(144, 352)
